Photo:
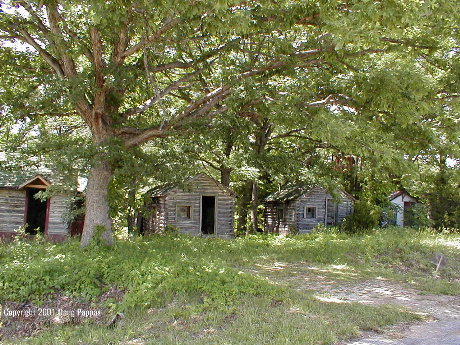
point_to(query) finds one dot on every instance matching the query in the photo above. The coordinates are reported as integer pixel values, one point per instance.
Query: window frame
(283, 214)
(188, 212)
(314, 215)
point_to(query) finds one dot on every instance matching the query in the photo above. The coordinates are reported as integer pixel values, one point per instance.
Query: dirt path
(442, 312)
(442, 327)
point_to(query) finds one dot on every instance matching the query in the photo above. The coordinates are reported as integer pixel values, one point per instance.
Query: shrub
(365, 216)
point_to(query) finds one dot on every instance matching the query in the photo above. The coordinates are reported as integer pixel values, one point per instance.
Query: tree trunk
(97, 205)
(225, 175)
(254, 207)
(244, 199)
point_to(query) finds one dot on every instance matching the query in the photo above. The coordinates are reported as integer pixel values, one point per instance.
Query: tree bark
(244, 199)
(225, 175)
(97, 205)
(255, 206)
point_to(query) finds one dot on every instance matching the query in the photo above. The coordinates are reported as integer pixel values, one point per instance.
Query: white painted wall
(399, 202)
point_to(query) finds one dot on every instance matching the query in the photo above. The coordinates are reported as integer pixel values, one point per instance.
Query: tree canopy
(352, 77)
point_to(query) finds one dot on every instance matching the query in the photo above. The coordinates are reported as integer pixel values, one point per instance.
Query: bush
(365, 216)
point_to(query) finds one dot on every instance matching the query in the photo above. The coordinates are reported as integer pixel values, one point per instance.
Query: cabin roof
(288, 193)
(19, 179)
(292, 192)
(165, 189)
(400, 192)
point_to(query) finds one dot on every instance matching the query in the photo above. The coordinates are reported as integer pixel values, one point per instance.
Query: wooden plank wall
(317, 198)
(58, 208)
(202, 185)
(280, 226)
(155, 222)
(12, 203)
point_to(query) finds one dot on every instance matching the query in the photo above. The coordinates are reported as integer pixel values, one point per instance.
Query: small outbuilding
(402, 203)
(299, 209)
(20, 207)
(202, 206)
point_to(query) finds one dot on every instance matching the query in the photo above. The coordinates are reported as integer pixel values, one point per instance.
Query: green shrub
(365, 216)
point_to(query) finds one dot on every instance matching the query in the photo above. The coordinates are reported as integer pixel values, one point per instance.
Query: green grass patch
(300, 319)
(182, 289)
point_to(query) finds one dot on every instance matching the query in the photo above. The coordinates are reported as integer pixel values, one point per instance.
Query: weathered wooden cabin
(299, 209)
(402, 202)
(19, 207)
(202, 207)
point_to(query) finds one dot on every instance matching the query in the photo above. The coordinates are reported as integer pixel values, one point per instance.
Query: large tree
(135, 70)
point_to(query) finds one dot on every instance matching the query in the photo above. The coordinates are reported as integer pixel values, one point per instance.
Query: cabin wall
(155, 221)
(317, 198)
(201, 186)
(12, 213)
(12, 204)
(399, 203)
(57, 227)
(280, 226)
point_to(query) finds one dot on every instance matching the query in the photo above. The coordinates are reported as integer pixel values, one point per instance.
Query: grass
(188, 290)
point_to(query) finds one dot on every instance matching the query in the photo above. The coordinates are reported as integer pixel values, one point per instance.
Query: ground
(441, 313)
(385, 287)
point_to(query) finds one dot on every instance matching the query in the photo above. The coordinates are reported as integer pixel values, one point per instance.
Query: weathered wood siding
(58, 206)
(200, 186)
(12, 204)
(280, 226)
(155, 221)
(318, 198)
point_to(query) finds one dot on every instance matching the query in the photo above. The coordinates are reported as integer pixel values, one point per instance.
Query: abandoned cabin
(402, 203)
(202, 206)
(20, 207)
(299, 209)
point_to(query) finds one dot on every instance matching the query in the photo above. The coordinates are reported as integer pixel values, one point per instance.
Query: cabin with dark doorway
(298, 209)
(402, 203)
(21, 206)
(202, 206)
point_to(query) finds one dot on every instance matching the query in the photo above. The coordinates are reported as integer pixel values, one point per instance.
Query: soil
(20, 320)
(441, 325)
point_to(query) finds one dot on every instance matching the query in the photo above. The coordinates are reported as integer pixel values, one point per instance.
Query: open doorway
(208, 214)
(35, 212)
(332, 211)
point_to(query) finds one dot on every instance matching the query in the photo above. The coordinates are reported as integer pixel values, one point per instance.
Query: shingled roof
(166, 188)
(14, 179)
(291, 192)
(288, 193)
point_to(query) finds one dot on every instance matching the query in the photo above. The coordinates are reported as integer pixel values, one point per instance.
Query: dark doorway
(208, 218)
(36, 213)
(409, 214)
(332, 211)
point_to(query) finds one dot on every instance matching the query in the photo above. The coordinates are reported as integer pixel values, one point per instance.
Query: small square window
(280, 213)
(309, 212)
(184, 212)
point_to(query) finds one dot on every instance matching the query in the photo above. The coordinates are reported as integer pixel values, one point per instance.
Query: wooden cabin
(402, 201)
(201, 207)
(19, 207)
(298, 209)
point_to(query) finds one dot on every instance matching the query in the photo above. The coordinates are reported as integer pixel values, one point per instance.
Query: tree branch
(49, 59)
(68, 65)
(405, 43)
(158, 96)
(168, 25)
(199, 108)
(331, 99)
